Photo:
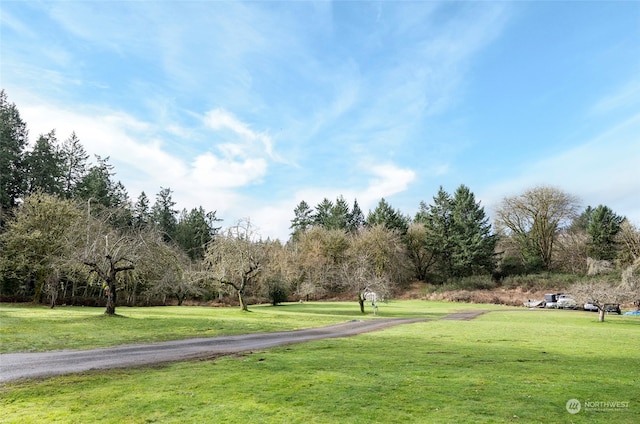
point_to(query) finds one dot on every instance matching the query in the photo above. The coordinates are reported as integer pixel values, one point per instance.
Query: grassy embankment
(506, 366)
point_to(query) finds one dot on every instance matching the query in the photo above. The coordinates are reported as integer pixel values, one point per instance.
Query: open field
(506, 366)
(28, 328)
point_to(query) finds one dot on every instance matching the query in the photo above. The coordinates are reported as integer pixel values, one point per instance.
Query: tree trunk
(601, 314)
(111, 298)
(53, 295)
(240, 291)
(243, 303)
(37, 297)
(361, 302)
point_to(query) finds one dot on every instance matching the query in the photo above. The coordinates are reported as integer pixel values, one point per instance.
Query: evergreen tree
(163, 214)
(356, 220)
(603, 227)
(472, 241)
(103, 195)
(98, 187)
(74, 159)
(194, 230)
(322, 214)
(45, 166)
(458, 234)
(142, 211)
(581, 222)
(338, 215)
(437, 221)
(13, 142)
(385, 215)
(121, 213)
(303, 219)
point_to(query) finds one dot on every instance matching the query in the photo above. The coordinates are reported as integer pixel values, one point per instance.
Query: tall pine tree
(45, 166)
(603, 227)
(164, 215)
(142, 211)
(74, 159)
(322, 214)
(302, 220)
(356, 218)
(458, 233)
(385, 215)
(338, 215)
(472, 240)
(13, 142)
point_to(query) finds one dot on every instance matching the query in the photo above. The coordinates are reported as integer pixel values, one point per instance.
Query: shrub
(276, 292)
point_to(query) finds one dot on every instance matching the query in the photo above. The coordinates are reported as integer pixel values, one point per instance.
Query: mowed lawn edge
(29, 328)
(506, 366)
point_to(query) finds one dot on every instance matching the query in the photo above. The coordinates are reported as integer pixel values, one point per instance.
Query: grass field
(505, 366)
(26, 328)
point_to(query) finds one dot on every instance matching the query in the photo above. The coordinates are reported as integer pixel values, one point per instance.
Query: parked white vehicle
(565, 301)
(590, 307)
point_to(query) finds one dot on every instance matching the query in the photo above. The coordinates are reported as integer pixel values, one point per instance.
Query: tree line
(70, 233)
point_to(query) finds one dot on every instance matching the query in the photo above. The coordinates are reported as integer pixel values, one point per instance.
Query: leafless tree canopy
(600, 293)
(534, 218)
(236, 259)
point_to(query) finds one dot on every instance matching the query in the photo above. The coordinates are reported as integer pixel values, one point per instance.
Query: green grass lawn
(27, 328)
(506, 366)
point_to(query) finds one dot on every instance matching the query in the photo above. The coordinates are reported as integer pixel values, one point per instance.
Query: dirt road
(15, 366)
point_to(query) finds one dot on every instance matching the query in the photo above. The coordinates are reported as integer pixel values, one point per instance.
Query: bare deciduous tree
(235, 259)
(420, 255)
(360, 277)
(600, 294)
(170, 272)
(629, 241)
(321, 253)
(631, 282)
(534, 218)
(109, 253)
(571, 252)
(280, 274)
(376, 261)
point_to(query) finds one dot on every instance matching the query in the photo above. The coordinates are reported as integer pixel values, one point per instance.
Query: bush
(511, 265)
(544, 281)
(477, 282)
(276, 292)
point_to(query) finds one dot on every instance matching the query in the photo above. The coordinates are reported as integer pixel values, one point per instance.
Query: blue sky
(247, 108)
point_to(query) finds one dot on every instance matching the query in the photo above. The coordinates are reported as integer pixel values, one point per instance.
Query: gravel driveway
(15, 366)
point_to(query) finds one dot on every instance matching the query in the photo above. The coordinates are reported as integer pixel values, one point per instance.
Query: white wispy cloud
(142, 159)
(387, 180)
(220, 119)
(603, 170)
(214, 172)
(350, 105)
(628, 94)
(8, 21)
